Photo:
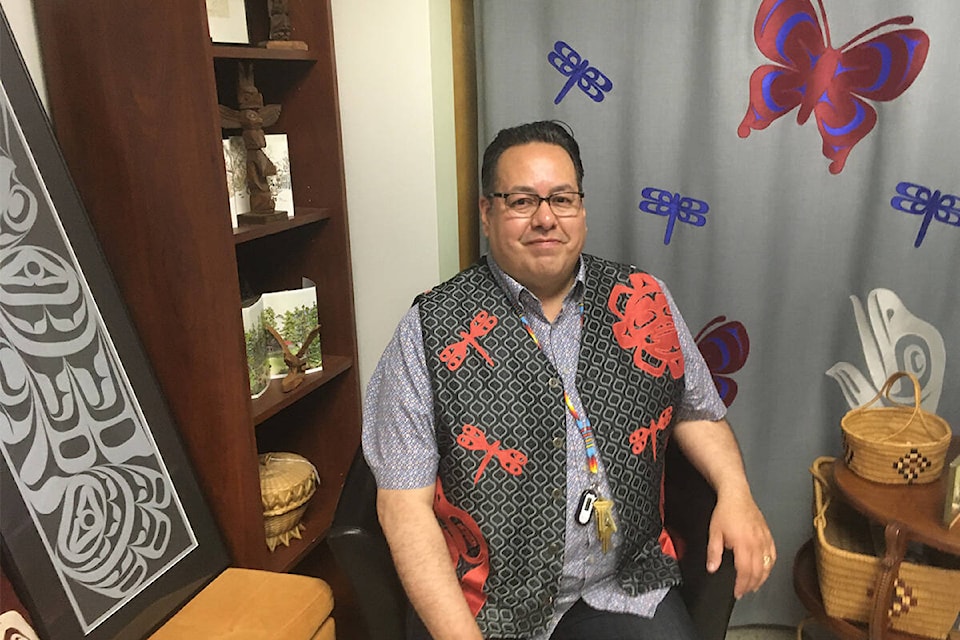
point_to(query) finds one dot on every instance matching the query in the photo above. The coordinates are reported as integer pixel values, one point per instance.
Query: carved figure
(296, 362)
(252, 116)
(279, 19)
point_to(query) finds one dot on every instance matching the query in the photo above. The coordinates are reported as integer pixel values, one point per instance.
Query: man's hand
(737, 523)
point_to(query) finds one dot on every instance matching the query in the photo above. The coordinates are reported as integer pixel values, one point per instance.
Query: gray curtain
(827, 273)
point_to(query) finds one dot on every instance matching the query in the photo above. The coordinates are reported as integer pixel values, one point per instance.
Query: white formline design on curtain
(72, 431)
(893, 339)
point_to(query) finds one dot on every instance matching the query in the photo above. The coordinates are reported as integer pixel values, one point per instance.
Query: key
(603, 509)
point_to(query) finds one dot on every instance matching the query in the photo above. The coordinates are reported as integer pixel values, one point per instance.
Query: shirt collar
(521, 297)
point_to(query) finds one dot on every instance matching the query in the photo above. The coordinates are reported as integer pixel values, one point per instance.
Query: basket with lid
(287, 482)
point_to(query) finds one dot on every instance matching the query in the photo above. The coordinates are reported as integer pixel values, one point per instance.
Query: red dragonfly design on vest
(474, 439)
(464, 542)
(648, 435)
(646, 326)
(454, 355)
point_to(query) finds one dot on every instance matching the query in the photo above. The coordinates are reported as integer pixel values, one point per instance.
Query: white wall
(396, 104)
(20, 16)
(395, 82)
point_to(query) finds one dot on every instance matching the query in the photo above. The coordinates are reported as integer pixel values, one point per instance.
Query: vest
(501, 423)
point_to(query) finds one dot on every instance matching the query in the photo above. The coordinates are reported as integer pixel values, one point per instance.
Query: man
(517, 421)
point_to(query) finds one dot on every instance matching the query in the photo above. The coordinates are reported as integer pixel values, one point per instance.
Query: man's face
(540, 252)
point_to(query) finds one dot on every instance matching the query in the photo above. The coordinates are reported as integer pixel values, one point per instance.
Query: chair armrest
(359, 547)
(687, 508)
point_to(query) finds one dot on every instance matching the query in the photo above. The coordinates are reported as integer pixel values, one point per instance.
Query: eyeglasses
(564, 204)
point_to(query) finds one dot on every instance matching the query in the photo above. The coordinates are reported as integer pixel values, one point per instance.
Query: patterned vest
(499, 410)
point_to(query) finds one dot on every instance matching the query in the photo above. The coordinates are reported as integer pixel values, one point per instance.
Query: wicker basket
(899, 444)
(287, 482)
(925, 600)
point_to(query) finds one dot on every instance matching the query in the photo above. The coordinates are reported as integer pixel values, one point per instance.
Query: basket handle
(885, 392)
(820, 518)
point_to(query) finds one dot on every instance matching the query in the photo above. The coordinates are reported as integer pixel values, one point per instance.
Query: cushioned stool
(247, 604)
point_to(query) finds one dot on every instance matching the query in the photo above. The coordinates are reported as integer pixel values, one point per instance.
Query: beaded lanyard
(590, 501)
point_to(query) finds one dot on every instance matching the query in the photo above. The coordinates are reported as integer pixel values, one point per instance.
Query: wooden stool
(248, 604)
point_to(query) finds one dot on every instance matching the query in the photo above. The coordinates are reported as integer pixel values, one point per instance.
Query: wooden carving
(280, 27)
(296, 362)
(251, 116)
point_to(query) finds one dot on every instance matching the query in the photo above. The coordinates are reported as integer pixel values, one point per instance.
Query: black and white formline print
(104, 529)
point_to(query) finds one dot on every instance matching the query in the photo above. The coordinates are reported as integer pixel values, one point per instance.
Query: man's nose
(543, 216)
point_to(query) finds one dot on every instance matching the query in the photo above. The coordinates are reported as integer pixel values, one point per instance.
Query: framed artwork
(951, 501)
(104, 529)
(227, 21)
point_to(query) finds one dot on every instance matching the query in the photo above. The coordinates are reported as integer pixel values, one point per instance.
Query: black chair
(359, 547)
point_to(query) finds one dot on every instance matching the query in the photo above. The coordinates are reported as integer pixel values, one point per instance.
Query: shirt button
(559, 442)
(558, 494)
(554, 383)
(555, 548)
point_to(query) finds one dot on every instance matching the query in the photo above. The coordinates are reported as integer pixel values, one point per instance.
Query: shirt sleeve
(399, 440)
(701, 401)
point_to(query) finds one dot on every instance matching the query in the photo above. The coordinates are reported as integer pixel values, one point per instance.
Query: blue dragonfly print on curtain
(933, 205)
(673, 206)
(579, 72)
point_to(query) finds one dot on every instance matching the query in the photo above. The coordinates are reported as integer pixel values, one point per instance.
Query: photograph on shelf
(281, 185)
(292, 314)
(951, 502)
(227, 21)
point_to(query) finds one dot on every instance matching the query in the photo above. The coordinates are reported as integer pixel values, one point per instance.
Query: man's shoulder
(596, 263)
(454, 286)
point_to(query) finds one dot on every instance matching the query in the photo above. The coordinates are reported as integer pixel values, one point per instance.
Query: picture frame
(227, 21)
(951, 500)
(122, 485)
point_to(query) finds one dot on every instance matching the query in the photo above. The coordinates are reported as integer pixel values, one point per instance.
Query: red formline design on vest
(464, 542)
(646, 326)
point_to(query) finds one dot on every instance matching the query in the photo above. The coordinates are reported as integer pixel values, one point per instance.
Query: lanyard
(590, 501)
(583, 422)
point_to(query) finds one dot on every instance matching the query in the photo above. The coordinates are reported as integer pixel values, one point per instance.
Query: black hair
(548, 131)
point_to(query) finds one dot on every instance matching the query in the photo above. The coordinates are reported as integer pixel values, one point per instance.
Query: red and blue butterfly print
(830, 83)
(725, 350)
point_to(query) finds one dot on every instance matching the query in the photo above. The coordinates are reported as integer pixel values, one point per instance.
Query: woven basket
(925, 600)
(287, 482)
(899, 444)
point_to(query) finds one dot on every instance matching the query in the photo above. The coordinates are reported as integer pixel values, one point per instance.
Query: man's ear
(484, 204)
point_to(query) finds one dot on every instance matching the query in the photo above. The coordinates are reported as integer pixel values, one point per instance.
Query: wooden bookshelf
(134, 88)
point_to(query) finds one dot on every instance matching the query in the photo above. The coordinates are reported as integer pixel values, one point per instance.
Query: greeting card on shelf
(291, 315)
(281, 185)
(235, 160)
(255, 338)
